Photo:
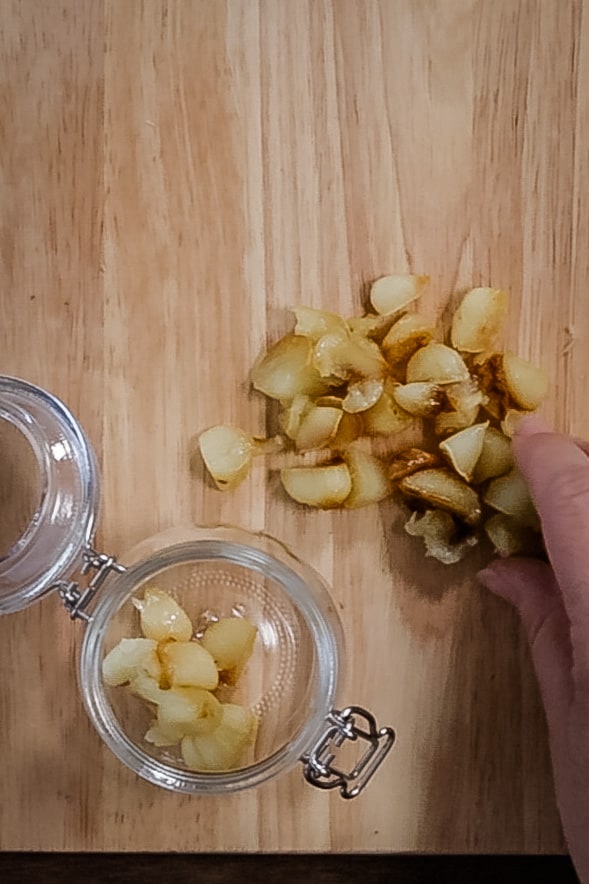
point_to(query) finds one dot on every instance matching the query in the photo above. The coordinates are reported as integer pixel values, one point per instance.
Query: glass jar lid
(49, 493)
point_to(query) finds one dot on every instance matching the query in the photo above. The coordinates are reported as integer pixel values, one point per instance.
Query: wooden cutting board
(175, 175)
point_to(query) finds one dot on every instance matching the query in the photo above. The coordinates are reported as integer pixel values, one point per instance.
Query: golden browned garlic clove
(444, 490)
(453, 421)
(409, 461)
(410, 333)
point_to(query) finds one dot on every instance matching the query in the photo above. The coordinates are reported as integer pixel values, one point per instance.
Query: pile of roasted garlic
(342, 382)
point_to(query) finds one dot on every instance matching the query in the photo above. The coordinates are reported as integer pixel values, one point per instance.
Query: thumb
(531, 587)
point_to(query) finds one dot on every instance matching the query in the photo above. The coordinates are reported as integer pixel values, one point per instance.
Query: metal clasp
(76, 599)
(352, 723)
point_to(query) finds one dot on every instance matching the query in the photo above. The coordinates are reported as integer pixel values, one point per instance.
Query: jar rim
(304, 587)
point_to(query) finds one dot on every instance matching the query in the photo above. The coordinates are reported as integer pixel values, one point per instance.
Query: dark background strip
(170, 868)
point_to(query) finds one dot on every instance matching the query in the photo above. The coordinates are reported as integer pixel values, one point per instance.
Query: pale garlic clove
(362, 395)
(463, 449)
(184, 712)
(223, 749)
(312, 323)
(346, 355)
(386, 417)
(318, 427)
(478, 319)
(157, 737)
(227, 453)
(509, 537)
(422, 398)
(322, 487)
(188, 664)
(285, 370)
(371, 325)
(389, 294)
(230, 641)
(350, 428)
(146, 687)
(130, 658)
(292, 414)
(370, 480)
(526, 383)
(510, 422)
(510, 494)
(496, 456)
(161, 617)
(438, 363)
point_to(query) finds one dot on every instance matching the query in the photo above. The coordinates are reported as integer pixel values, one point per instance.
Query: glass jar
(291, 681)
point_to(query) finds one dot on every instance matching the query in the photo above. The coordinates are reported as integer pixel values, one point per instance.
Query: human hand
(553, 602)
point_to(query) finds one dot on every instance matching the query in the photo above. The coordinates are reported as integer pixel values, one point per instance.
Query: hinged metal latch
(75, 598)
(352, 723)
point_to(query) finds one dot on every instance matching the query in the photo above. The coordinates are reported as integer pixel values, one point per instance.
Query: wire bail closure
(352, 723)
(75, 598)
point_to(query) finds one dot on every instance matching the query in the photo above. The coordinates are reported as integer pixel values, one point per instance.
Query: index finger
(557, 472)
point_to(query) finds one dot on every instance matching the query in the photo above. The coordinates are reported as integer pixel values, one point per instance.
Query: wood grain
(175, 175)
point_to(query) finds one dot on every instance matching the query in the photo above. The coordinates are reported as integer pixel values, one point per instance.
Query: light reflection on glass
(61, 450)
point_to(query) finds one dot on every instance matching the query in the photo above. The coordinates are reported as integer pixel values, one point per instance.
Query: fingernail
(532, 425)
(487, 578)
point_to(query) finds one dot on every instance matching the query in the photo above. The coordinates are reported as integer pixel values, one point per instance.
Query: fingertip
(498, 577)
(532, 425)
(519, 580)
(535, 451)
